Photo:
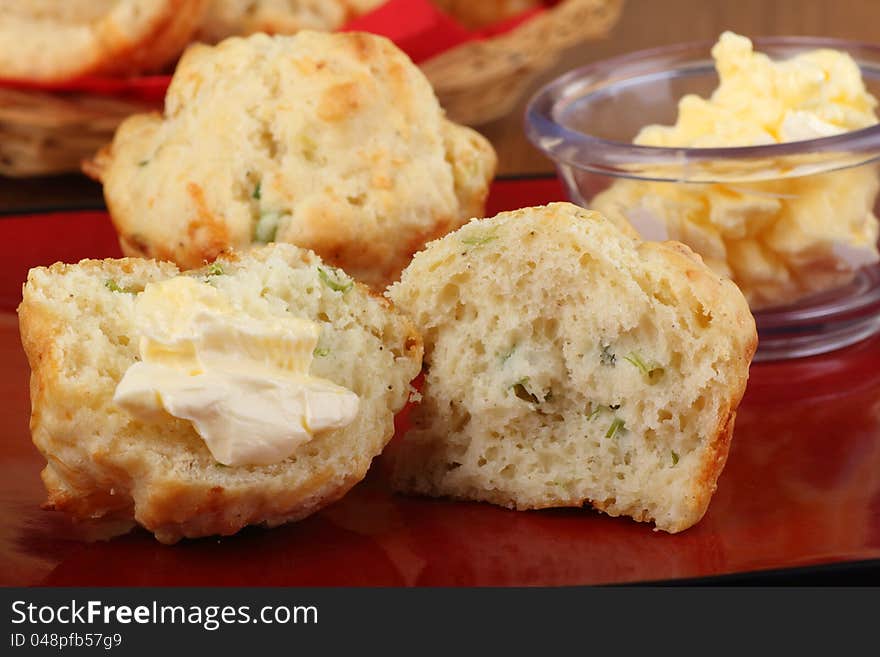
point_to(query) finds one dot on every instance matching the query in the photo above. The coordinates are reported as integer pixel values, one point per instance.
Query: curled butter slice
(242, 381)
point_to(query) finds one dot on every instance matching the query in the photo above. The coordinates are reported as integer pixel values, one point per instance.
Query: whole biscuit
(334, 142)
(50, 41)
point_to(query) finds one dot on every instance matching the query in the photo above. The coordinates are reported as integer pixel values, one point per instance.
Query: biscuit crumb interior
(567, 364)
(79, 333)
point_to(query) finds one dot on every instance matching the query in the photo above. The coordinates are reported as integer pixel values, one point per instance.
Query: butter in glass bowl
(763, 159)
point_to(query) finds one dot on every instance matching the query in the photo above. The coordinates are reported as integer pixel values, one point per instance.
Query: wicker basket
(43, 133)
(480, 81)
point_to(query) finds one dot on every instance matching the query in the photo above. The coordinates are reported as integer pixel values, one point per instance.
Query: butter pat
(762, 101)
(242, 381)
(779, 240)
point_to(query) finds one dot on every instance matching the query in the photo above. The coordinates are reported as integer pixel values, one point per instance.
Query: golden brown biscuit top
(335, 142)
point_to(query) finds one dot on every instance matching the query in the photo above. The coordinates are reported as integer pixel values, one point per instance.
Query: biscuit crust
(226, 18)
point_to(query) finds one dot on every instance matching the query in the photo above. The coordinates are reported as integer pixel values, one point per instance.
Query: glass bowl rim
(565, 142)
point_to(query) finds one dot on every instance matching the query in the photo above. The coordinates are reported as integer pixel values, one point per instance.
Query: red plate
(801, 487)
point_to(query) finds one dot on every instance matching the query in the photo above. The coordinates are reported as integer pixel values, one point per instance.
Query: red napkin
(422, 31)
(416, 26)
(150, 88)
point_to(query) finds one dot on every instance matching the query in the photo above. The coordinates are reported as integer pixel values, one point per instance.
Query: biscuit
(226, 18)
(333, 142)
(79, 333)
(566, 362)
(49, 41)
(777, 240)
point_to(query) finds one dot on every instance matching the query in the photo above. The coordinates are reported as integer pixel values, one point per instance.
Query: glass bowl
(585, 122)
